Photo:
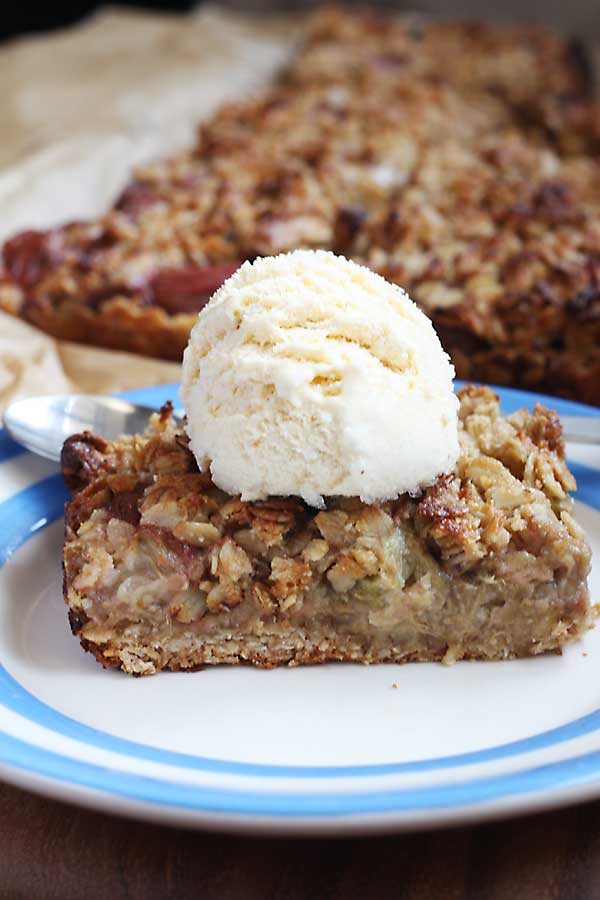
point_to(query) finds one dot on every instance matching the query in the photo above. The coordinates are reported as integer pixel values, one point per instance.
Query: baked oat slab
(458, 159)
(162, 570)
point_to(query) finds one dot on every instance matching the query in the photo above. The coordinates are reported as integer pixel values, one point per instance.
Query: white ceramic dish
(331, 749)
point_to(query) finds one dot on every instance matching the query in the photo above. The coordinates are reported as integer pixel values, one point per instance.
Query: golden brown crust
(162, 569)
(458, 159)
(118, 325)
(297, 649)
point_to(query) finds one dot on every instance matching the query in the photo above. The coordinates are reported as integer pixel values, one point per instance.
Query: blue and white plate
(324, 749)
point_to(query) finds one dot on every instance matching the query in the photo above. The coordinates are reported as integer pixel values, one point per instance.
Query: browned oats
(163, 570)
(458, 159)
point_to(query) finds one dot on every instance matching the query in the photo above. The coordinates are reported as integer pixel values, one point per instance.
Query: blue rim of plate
(41, 504)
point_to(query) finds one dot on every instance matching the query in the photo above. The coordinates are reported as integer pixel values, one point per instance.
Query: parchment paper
(79, 109)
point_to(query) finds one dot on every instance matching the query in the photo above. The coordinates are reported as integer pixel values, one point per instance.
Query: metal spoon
(581, 429)
(42, 424)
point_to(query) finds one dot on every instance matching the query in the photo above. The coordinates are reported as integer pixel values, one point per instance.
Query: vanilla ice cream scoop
(309, 375)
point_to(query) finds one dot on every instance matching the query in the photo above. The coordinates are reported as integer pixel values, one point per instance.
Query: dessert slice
(163, 570)
(459, 159)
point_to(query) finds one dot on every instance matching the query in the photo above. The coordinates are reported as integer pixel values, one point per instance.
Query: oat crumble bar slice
(164, 571)
(392, 141)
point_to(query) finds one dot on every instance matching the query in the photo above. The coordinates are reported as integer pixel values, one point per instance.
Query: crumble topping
(152, 544)
(458, 159)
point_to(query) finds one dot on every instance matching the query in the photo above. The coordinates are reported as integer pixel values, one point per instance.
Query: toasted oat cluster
(458, 159)
(164, 570)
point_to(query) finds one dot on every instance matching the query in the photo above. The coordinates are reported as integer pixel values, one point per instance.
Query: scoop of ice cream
(309, 375)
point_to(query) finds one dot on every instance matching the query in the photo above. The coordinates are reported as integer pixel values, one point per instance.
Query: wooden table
(48, 850)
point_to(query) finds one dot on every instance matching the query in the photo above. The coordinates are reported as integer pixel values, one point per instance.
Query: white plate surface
(334, 748)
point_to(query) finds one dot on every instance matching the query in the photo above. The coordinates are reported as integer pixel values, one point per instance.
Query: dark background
(577, 17)
(28, 15)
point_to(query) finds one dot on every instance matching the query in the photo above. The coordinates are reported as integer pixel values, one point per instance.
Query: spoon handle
(581, 429)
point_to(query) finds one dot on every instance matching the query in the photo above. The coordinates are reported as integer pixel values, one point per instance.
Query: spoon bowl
(42, 424)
